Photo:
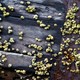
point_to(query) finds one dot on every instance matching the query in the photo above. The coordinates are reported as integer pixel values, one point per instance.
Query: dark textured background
(32, 30)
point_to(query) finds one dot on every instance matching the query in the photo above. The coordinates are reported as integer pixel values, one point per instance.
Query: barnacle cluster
(4, 10)
(71, 26)
(43, 25)
(30, 9)
(40, 67)
(35, 46)
(71, 36)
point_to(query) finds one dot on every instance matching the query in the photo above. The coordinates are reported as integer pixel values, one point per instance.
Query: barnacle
(22, 17)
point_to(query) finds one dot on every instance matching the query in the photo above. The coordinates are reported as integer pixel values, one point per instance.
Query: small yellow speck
(49, 16)
(22, 17)
(21, 2)
(9, 65)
